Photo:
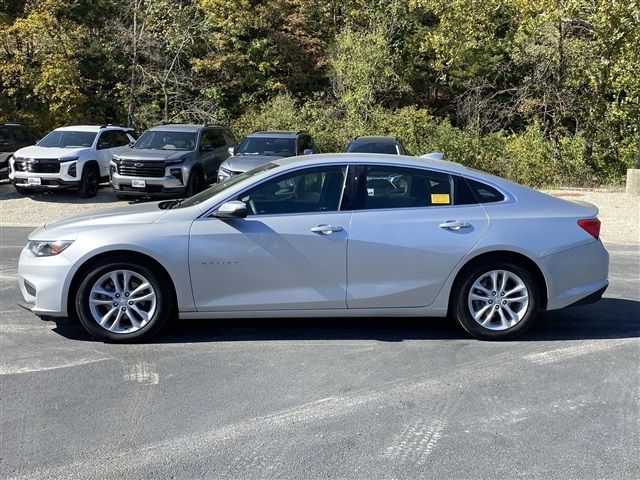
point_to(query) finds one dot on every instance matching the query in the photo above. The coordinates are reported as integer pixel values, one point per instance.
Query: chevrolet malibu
(323, 236)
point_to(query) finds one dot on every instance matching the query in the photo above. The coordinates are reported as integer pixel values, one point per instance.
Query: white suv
(75, 157)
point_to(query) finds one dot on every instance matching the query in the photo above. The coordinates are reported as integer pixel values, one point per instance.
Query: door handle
(326, 229)
(454, 224)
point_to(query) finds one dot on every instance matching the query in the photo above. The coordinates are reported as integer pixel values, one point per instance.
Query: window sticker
(440, 198)
(370, 192)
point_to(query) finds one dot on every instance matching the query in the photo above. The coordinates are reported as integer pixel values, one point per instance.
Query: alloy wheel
(122, 301)
(498, 300)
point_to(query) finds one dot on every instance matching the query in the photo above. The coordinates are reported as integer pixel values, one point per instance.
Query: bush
(528, 157)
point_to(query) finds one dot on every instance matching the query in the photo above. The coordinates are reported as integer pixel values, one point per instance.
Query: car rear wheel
(496, 299)
(122, 301)
(89, 182)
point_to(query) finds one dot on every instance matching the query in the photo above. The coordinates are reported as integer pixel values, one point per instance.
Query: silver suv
(171, 160)
(261, 147)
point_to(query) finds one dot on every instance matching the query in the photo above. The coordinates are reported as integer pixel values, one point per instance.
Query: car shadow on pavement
(608, 319)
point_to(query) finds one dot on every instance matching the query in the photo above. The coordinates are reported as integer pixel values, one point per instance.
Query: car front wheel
(89, 182)
(122, 301)
(496, 300)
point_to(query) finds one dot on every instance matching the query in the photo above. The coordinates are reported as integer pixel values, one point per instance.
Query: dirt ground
(619, 212)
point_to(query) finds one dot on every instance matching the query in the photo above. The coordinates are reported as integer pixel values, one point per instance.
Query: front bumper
(154, 186)
(576, 275)
(48, 181)
(43, 283)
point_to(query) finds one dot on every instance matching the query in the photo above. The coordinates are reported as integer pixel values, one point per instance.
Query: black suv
(13, 136)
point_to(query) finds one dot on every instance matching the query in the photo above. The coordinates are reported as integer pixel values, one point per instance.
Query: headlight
(115, 158)
(69, 159)
(43, 248)
(19, 159)
(174, 162)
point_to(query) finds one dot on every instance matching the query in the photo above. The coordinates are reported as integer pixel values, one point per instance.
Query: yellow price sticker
(440, 198)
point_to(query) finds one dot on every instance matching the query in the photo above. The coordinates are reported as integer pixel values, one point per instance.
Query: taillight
(591, 226)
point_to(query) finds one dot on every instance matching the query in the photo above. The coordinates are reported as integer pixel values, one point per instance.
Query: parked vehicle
(261, 147)
(323, 236)
(75, 157)
(170, 160)
(13, 136)
(390, 145)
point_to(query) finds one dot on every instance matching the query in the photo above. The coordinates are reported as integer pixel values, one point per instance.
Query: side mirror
(233, 209)
(307, 151)
(232, 150)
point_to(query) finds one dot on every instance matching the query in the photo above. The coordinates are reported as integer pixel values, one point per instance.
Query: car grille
(40, 165)
(130, 168)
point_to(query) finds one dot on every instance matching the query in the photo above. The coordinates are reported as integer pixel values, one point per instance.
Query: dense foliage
(544, 92)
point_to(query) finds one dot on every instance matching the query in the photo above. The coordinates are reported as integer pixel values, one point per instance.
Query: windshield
(219, 187)
(373, 147)
(167, 140)
(68, 139)
(268, 146)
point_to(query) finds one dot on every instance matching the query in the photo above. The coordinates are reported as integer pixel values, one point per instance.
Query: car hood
(35, 151)
(69, 227)
(242, 163)
(152, 155)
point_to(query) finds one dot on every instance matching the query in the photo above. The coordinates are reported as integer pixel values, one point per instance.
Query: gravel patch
(619, 212)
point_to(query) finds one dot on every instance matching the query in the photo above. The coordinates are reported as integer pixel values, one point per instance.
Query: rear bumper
(593, 298)
(579, 274)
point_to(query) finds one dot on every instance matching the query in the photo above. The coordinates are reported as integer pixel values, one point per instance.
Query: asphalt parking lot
(313, 398)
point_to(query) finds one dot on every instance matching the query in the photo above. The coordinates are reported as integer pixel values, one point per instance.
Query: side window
(213, 138)
(304, 143)
(119, 139)
(4, 135)
(19, 134)
(484, 193)
(312, 190)
(231, 140)
(106, 140)
(398, 187)
(217, 138)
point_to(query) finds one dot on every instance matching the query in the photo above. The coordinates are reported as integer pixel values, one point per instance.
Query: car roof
(90, 128)
(180, 127)
(373, 158)
(275, 133)
(374, 139)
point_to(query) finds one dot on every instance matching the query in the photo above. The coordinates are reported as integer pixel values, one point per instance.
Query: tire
(99, 298)
(89, 182)
(505, 312)
(21, 190)
(195, 184)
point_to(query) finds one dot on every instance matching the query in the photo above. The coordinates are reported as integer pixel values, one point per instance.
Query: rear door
(409, 229)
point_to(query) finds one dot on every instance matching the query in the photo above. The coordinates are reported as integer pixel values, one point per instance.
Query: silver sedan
(323, 236)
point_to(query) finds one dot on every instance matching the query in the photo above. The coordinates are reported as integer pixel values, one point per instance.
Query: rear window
(484, 193)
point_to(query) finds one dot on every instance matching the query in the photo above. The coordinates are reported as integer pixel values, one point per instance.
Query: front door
(288, 253)
(409, 229)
